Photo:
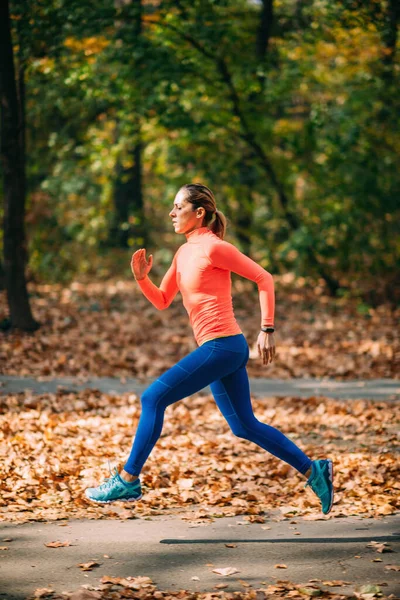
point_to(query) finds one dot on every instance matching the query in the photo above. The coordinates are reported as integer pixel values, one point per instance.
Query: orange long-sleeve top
(200, 270)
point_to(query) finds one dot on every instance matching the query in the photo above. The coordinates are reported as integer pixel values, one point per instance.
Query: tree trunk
(13, 161)
(128, 191)
(389, 36)
(265, 28)
(128, 202)
(244, 217)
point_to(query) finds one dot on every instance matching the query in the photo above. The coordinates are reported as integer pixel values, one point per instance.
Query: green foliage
(320, 110)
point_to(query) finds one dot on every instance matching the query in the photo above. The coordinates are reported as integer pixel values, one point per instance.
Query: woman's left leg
(232, 395)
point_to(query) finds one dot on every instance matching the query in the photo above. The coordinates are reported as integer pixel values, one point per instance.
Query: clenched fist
(139, 265)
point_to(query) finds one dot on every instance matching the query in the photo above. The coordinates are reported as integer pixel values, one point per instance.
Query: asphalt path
(371, 389)
(178, 554)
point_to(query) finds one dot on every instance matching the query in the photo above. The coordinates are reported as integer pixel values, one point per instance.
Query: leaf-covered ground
(143, 588)
(110, 329)
(54, 446)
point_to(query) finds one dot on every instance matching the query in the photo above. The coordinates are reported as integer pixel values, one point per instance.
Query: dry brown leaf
(280, 566)
(43, 592)
(135, 583)
(89, 565)
(244, 583)
(380, 547)
(57, 544)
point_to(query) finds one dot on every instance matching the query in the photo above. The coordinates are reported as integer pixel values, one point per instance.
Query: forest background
(288, 110)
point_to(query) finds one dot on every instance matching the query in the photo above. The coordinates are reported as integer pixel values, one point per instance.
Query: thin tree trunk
(128, 189)
(265, 28)
(129, 202)
(13, 160)
(390, 38)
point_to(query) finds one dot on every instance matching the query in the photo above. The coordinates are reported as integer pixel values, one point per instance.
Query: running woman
(200, 270)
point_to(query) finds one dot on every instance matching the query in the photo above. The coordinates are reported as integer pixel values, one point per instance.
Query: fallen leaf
(392, 567)
(280, 566)
(135, 583)
(57, 544)
(226, 571)
(43, 592)
(368, 591)
(380, 547)
(3, 547)
(231, 545)
(310, 591)
(88, 566)
(244, 583)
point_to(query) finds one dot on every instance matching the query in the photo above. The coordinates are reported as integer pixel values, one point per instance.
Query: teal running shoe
(321, 482)
(114, 489)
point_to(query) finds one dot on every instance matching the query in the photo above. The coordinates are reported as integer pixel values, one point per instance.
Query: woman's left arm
(224, 255)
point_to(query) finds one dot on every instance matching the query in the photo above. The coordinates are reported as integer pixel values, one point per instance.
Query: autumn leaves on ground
(56, 445)
(53, 446)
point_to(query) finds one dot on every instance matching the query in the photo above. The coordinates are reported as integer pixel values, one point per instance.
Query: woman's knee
(244, 429)
(239, 429)
(151, 398)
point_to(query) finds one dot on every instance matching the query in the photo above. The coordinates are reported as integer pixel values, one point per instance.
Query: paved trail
(172, 552)
(372, 389)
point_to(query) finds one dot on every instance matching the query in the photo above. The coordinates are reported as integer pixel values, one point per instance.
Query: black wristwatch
(268, 329)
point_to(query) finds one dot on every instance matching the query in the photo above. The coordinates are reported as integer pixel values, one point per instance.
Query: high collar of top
(193, 236)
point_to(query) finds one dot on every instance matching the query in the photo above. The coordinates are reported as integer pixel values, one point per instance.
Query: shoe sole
(114, 500)
(330, 466)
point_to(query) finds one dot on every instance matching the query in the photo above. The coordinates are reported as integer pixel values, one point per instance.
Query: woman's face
(184, 218)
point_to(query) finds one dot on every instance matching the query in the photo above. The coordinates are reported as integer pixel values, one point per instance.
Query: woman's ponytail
(218, 226)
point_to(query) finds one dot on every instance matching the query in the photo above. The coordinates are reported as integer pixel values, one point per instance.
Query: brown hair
(201, 196)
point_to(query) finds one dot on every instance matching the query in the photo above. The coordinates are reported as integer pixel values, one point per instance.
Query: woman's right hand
(139, 265)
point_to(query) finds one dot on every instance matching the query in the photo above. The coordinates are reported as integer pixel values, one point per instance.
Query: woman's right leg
(232, 395)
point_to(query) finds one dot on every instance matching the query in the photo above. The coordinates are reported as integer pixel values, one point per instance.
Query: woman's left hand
(266, 347)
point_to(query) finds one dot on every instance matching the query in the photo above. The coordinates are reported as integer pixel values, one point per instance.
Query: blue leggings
(221, 364)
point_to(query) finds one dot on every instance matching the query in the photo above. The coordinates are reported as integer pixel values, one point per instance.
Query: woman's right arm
(160, 297)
